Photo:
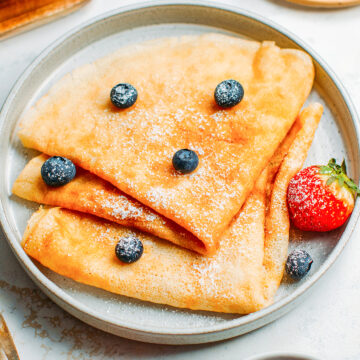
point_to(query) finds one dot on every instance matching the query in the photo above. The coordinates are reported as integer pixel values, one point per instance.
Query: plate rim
(249, 319)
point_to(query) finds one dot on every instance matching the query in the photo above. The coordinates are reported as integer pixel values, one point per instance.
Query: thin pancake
(236, 279)
(81, 247)
(133, 148)
(90, 194)
(277, 219)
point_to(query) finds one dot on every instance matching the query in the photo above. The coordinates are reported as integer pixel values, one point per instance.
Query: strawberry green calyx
(338, 173)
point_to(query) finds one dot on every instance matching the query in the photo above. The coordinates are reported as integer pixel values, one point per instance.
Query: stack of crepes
(215, 239)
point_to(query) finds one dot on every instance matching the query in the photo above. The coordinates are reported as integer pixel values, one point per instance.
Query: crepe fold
(241, 277)
(90, 194)
(175, 79)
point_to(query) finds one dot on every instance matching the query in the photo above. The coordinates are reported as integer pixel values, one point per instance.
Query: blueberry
(185, 161)
(129, 249)
(123, 95)
(298, 264)
(229, 93)
(57, 171)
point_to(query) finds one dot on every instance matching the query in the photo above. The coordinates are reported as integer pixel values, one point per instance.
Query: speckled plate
(337, 136)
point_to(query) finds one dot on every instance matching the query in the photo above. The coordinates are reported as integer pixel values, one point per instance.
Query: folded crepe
(241, 277)
(277, 223)
(90, 194)
(175, 79)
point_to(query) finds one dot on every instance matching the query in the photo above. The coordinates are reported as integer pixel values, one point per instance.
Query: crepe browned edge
(204, 202)
(277, 224)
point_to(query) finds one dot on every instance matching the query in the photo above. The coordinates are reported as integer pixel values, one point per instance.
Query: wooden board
(326, 3)
(7, 346)
(20, 15)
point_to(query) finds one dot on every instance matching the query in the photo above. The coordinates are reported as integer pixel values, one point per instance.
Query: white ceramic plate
(337, 136)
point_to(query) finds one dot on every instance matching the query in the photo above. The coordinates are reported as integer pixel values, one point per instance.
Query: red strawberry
(321, 198)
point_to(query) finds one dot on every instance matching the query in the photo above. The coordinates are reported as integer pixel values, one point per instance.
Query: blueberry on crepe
(123, 95)
(129, 249)
(185, 161)
(229, 93)
(58, 171)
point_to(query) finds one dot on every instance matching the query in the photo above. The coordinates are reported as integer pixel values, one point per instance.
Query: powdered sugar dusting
(120, 207)
(132, 148)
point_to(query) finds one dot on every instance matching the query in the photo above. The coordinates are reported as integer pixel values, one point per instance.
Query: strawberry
(321, 198)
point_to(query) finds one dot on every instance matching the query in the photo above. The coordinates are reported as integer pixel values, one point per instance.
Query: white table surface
(326, 324)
